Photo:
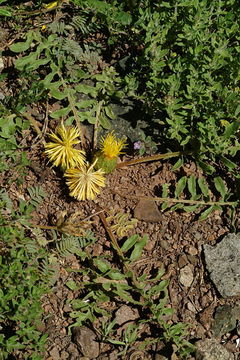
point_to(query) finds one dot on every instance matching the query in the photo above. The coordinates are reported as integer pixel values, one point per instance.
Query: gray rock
(125, 314)
(86, 341)
(225, 320)
(223, 264)
(209, 349)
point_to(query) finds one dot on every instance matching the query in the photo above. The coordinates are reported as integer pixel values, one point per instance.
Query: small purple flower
(137, 145)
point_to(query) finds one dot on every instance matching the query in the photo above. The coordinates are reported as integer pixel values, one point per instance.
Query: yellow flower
(111, 147)
(84, 183)
(60, 150)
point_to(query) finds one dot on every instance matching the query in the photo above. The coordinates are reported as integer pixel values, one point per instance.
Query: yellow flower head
(60, 150)
(111, 147)
(84, 183)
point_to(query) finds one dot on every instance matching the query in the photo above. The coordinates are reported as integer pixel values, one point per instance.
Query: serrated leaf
(220, 186)
(85, 104)
(138, 248)
(180, 186)
(192, 186)
(165, 191)
(231, 129)
(109, 112)
(59, 113)
(86, 89)
(57, 94)
(104, 122)
(22, 62)
(37, 63)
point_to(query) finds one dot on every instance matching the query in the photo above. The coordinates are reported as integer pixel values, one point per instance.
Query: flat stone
(225, 320)
(86, 341)
(210, 349)
(186, 276)
(147, 210)
(125, 313)
(223, 265)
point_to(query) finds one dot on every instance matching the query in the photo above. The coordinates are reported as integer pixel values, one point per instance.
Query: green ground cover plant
(178, 62)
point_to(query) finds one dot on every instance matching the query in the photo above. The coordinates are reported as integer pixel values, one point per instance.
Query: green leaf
(192, 186)
(156, 289)
(203, 186)
(22, 45)
(231, 129)
(24, 61)
(37, 63)
(138, 248)
(129, 243)
(180, 186)
(125, 295)
(4, 12)
(85, 104)
(208, 211)
(59, 113)
(228, 163)
(86, 89)
(57, 94)
(220, 186)
(209, 169)
(102, 265)
(104, 122)
(109, 112)
(190, 208)
(72, 285)
(123, 17)
(178, 164)
(116, 275)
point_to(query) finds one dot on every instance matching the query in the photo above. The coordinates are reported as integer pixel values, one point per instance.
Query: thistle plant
(60, 150)
(85, 182)
(110, 149)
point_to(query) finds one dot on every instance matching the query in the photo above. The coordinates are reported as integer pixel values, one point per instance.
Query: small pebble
(186, 276)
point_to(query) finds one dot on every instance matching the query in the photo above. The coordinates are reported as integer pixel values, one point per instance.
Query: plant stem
(150, 158)
(173, 200)
(96, 125)
(117, 247)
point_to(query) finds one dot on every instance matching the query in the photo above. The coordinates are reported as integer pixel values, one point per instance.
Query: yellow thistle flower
(84, 183)
(111, 147)
(108, 154)
(60, 150)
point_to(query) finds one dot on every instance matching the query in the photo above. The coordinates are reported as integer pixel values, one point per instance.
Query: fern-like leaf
(37, 194)
(121, 223)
